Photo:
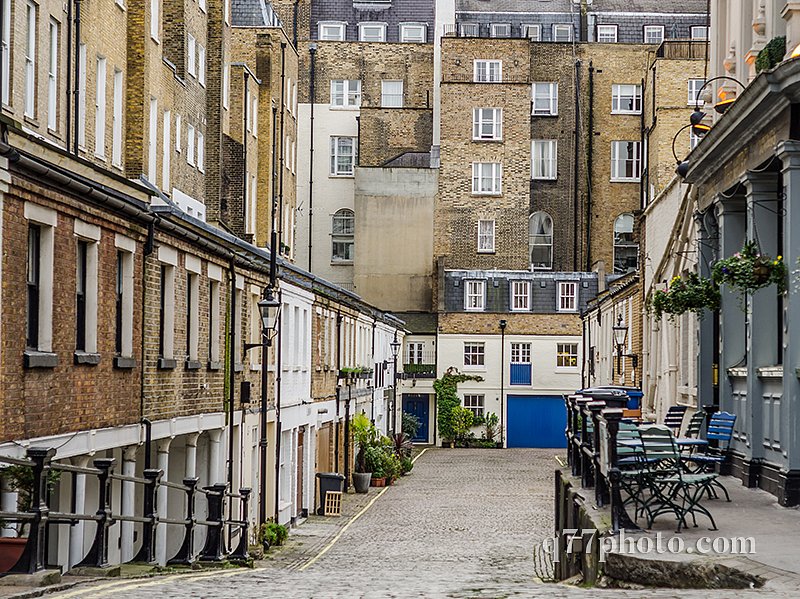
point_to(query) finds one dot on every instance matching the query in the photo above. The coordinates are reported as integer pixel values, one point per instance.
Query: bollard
(242, 549)
(185, 555)
(34, 556)
(214, 548)
(147, 553)
(98, 554)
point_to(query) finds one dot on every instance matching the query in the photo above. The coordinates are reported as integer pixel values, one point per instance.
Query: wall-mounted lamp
(620, 332)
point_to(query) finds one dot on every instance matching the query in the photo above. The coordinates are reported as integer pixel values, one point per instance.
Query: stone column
(76, 531)
(706, 253)
(789, 153)
(127, 503)
(732, 224)
(215, 457)
(762, 330)
(191, 455)
(162, 448)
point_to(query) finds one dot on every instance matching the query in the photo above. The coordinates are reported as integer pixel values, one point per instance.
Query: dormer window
(501, 30)
(332, 31)
(413, 33)
(372, 32)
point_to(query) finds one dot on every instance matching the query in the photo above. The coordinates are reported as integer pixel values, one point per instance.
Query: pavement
(464, 524)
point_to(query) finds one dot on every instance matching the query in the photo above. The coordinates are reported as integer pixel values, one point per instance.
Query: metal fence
(38, 517)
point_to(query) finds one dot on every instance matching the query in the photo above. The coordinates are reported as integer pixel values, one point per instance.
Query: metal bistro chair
(631, 463)
(720, 429)
(674, 418)
(671, 489)
(695, 424)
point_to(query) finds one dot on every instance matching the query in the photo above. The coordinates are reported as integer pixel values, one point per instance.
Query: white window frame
(90, 234)
(533, 32)
(52, 76)
(487, 71)
(618, 165)
(567, 296)
(476, 351)
(487, 124)
(495, 176)
(31, 20)
(201, 65)
(214, 303)
(693, 86)
(126, 247)
(390, 98)
(226, 86)
(152, 142)
(407, 36)
(166, 150)
(5, 39)
(544, 98)
(622, 93)
(254, 114)
(698, 32)
(520, 296)
(155, 19)
(608, 31)
(500, 30)
(191, 55)
(82, 96)
(343, 234)
(100, 109)
(544, 164)
(345, 93)
(201, 152)
(190, 145)
(324, 29)
(47, 220)
(557, 27)
(486, 236)
(365, 29)
(650, 29)
(532, 245)
(335, 155)
(475, 403)
(178, 125)
(474, 295)
(415, 351)
(694, 139)
(193, 315)
(565, 351)
(116, 120)
(469, 29)
(167, 333)
(520, 352)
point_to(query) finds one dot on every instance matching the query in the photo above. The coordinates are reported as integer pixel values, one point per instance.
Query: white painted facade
(330, 193)
(546, 377)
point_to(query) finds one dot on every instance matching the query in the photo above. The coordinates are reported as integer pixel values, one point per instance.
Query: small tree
(447, 400)
(364, 435)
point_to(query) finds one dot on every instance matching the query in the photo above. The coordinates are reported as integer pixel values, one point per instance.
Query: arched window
(626, 249)
(342, 233)
(540, 240)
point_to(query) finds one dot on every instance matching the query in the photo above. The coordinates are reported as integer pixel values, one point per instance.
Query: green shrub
(272, 534)
(772, 54)
(447, 401)
(410, 425)
(406, 464)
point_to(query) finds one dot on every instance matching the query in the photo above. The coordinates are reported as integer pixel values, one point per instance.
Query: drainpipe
(576, 158)
(273, 238)
(283, 143)
(589, 150)
(245, 116)
(149, 246)
(68, 99)
(503, 324)
(338, 387)
(375, 372)
(76, 112)
(278, 432)
(644, 159)
(311, 90)
(347, 435)
(294, 23)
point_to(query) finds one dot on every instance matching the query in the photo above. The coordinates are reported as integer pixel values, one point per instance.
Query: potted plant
(749, 270)
(364, 436)
(693, 293)
(375, 462)
(20, 480)
(490, 421)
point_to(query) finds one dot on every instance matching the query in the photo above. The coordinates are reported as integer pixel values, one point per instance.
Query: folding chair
(674, 418)
(671, 489)
(720, 429)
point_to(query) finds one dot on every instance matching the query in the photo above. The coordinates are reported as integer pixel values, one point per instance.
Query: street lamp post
(395, 345)
(620, 338)
(268, 308)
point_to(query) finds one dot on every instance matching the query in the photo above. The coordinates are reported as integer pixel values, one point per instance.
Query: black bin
(328, 481)
(614, 398)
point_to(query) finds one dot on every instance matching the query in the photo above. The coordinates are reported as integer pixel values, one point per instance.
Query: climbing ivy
(447, 401)
(771, 54)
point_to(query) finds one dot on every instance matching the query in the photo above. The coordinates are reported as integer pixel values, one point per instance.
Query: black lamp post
(395, 345)
(620, 338)
(269, 309)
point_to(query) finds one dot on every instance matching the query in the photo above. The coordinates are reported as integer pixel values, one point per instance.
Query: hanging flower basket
(692, 294)
(750, 270)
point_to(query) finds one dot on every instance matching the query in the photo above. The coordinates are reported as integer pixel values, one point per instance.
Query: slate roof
(251, 13)
(512, 6)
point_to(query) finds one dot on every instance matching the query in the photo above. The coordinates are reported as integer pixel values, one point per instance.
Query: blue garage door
(536, 421)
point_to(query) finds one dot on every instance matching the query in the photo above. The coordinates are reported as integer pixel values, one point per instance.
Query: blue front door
(417, 405)
(536, 421)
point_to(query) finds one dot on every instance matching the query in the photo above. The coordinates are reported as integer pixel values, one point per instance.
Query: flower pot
(361, 481)
(761, 273)
(378, 482)
(10, 551)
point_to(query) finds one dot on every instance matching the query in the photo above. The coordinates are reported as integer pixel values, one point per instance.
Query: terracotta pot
(10, 551)
(378, 482)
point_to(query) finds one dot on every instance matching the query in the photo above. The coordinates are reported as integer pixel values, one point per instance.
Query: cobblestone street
(463, 524)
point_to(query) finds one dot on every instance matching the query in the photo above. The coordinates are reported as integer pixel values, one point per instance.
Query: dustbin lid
(330, 475)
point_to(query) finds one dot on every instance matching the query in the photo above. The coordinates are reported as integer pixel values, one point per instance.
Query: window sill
(345, 107)
(255, 367)
(214, 365)
(487, 194)
(238, 367)
(166, 364)
(341, 262)
(475, 368)
(488, 139)
(544, 178)
(630, 180)
(124, 362)
(549, 114)
(332, 176)
(626, 113)
(193, 365)
(31, 120)
(474, 310)
(39, 359)
(90, 359)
